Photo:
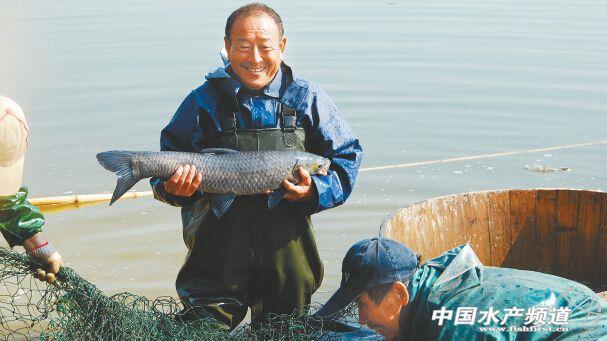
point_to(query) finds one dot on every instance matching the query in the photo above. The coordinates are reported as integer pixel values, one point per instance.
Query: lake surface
(417, 80)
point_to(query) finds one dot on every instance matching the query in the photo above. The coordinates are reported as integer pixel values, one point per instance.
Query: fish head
(314, 164)
(324, 165)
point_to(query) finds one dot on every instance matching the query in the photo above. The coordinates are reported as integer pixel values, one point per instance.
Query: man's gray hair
(255, 8)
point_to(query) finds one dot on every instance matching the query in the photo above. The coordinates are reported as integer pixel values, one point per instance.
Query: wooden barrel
(557, 231)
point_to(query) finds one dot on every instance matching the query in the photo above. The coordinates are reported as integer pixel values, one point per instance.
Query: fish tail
(119, 162)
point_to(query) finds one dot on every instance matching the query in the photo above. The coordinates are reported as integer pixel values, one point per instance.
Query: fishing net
(74, 309)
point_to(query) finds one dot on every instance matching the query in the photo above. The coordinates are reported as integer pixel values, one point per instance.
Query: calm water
(418, 80)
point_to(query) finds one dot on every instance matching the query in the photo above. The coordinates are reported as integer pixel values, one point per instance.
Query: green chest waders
(252, 256)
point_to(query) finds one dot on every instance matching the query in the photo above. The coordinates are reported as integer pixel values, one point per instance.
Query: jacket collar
(426, 291)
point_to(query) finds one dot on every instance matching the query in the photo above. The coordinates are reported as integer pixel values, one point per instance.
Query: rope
(483, 156)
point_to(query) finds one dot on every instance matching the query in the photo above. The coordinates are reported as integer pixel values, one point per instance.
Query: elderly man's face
(383, 317)
(255, 50)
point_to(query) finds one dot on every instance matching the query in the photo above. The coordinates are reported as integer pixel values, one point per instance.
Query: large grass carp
(225, 172)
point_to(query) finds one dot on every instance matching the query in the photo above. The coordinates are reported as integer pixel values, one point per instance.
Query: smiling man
(455, 297)
(255, 54)
(252, 256)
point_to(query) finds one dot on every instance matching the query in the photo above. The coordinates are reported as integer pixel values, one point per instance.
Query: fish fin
(119, 162)
(295, 166)
(275, 197)
(218, 151)
(295, 178)
(220, 203)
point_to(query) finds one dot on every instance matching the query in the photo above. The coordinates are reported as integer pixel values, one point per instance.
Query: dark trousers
(251, 257)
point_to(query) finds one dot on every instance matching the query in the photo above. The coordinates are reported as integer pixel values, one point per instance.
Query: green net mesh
(74, 309)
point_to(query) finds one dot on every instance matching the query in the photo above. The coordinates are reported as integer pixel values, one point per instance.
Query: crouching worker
(455, 297)
(21, 222)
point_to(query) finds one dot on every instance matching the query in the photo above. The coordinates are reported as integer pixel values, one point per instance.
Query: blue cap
(369, 263)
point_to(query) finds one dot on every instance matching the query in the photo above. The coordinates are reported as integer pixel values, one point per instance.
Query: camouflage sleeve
(19, 219)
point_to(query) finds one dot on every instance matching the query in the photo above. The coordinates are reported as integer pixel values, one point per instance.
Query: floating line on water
(484, 156)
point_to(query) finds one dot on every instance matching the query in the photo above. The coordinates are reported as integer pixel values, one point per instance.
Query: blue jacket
(197, 122)
(451, 282)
